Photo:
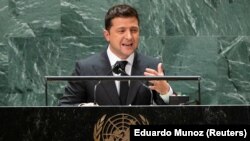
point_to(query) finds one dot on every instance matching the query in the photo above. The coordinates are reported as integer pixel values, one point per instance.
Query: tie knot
(119, 67)
(122, 64)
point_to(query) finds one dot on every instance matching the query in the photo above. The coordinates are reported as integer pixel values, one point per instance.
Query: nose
(128, 35)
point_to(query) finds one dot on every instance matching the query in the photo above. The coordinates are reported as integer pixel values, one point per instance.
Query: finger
(160, 69)
(151, 71)
(149, 74)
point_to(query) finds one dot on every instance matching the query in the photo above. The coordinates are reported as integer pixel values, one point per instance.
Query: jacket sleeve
(74, 91)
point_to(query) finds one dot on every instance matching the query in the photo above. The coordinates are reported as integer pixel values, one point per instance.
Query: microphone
(97, 84)
(119, 70)
(114, 68)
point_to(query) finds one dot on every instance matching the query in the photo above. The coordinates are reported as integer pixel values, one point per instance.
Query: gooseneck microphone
(119, 70)
(114, 68)
(97, 84)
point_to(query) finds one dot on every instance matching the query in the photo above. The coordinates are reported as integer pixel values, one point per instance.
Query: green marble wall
(209, 38)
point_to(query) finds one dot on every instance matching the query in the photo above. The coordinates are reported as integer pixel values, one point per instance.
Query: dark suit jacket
(106, 92)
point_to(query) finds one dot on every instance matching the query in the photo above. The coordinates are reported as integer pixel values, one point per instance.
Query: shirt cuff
(165, 97)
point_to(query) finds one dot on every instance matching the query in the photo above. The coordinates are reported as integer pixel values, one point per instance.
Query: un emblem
(116, 127)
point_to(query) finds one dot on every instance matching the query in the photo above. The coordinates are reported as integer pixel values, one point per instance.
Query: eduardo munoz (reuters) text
(208, 133)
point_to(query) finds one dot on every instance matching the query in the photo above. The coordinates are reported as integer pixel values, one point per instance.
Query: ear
(106, 34)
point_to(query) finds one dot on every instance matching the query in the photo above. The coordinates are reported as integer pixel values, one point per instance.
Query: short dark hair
(121, 10)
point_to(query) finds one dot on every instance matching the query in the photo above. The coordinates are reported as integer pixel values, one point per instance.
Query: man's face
(123, 36)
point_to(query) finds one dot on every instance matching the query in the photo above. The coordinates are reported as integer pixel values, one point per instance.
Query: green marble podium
(89, 123)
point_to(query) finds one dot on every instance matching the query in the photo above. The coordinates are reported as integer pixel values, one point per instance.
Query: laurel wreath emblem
(100, 125)
(144, 120)
(98, 128)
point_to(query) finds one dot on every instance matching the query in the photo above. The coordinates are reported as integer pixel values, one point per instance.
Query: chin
(128, 53)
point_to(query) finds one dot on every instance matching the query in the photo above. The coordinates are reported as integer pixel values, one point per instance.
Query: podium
(97, 123)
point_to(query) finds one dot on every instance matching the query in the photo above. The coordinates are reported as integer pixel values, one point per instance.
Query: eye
(134, 30)
(121, 31)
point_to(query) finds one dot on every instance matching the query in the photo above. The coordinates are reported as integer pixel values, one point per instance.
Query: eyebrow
(122, 27)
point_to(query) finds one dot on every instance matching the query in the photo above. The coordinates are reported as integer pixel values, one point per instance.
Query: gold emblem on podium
(116, 127)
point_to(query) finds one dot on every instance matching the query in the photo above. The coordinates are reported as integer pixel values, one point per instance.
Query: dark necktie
(123, 84)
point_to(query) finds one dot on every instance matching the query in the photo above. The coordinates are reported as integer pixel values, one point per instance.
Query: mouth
(127, 45)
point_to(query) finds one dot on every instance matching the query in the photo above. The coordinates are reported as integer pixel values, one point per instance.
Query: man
(122, 34)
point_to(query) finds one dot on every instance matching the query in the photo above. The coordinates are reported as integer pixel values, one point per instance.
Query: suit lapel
(104, 69)
(137, 70)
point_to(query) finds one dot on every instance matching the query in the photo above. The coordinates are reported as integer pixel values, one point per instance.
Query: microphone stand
(116, 66)
(151, 92)
(96, 85)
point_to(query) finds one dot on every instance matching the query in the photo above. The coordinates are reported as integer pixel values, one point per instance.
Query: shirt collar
(113, 58)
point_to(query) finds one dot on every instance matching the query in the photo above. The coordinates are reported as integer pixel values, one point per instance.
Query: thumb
(160, 69)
